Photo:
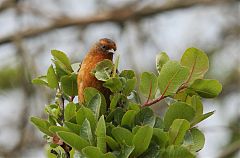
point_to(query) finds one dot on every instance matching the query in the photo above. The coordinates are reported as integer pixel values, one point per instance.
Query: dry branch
(119, 15)
(7, 4)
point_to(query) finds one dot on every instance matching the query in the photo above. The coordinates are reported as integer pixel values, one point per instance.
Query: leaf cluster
(127, 127)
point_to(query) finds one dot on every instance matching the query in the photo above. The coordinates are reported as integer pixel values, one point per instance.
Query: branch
(231, 149)
(120, 15)
(7, 4)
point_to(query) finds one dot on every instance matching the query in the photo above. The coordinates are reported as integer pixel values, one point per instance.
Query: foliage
(126, 127)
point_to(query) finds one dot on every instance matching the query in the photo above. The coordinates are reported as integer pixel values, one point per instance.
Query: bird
(102, 49)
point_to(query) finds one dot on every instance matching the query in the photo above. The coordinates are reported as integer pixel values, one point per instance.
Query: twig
(63, 108)
(162, 96)
(154, 101)
(71, 98)
(150, 93)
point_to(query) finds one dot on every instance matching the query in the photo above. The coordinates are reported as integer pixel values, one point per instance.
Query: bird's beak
(112, 50)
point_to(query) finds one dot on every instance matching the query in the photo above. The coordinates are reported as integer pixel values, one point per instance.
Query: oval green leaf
(178, 110)
(161, 59)
(141, 140)
(103, 70)
(52, 78)
(197, 62)
(86, 132)
(42, 125)
(69, 85)
(85, 113)
(101, 134)
(206, 88)
(62, 57)
(69, 111)
(95, 104)
(122, 135)
(128, 118)
(145, 117)
(73, 140)
(148, 84)
(177, 131)
(114, 84)
(73, 127)
(171, 77)
(89, 93)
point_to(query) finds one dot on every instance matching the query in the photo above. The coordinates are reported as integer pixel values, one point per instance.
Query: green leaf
(86, 132)
(114, 84)
(200, 118)
(145, 117)
(178, 110)
(176, 152)
(128, 118)
(148, 84)
(53, 110)
(115, 116)
(95, 105)
(89, 93)
(69, 111)
(42, 125)
(197, 62)
(206, 88)
(152, 151)
(85, 113)
(112, 143)
(55, 129)
(42, 80)
(114, 101)
(161, 59)
(73, 127)
(61, 69)
(122, 135)
(103, 70)
(73, 140)
(115, 66)
(171, 77)
(131, 81)
(159, 123)
(160, 137)
(134, 106)
(92, 152)
(177, 131)
(197, 105)
(129, 86)
(101, 134)
(62, 57)
(128, 74)
(69, 85)
(135, 129)
(109, 155)
(52, 78)
(126, 151)
(194, 140)
(141, 140)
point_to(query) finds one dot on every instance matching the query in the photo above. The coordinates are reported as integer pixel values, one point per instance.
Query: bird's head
(106, 45)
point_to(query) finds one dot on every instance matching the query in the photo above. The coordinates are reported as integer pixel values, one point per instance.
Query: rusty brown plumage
(101, 50)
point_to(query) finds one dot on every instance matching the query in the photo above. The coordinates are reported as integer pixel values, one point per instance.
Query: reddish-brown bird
(101, 50)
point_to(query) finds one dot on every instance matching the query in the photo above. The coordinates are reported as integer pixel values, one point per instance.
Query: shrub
(127, 127)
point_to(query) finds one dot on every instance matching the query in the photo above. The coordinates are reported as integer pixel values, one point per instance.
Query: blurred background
(29, 29)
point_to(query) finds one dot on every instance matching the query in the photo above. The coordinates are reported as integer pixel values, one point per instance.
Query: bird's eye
(104, 47)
